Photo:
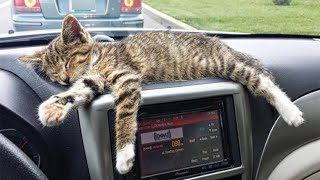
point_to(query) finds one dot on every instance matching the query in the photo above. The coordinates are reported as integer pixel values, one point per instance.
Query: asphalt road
(6, 23)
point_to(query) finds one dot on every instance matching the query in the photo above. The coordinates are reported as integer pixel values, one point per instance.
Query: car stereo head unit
(184, 139)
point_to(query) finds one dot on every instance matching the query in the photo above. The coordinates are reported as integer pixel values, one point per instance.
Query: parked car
(48, 14)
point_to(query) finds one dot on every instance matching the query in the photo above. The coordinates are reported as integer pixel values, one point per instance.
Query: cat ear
(72, 30)
(34, 58)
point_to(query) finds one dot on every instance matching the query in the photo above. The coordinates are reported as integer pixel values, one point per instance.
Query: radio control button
(202, 129)
(205, 158)
(211, 124)
(215, 149)
(192, 140)
(214, 136)
(213, 130)
(194, 160)
(216, 156)
(224, 163)
(216, 165)
(204, 151)
(203, 138)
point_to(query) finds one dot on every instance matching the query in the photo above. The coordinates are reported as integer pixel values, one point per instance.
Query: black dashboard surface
(295, 63)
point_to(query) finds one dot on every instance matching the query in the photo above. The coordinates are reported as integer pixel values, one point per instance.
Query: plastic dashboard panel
(22, 90)
(294, 63)
(292, 153)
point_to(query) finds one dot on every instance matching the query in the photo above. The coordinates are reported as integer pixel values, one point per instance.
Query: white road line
(7, 3)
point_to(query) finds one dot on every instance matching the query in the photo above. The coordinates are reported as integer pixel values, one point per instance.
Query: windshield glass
(245, 16)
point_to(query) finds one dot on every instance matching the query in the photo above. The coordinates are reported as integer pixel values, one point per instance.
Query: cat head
(66, 57)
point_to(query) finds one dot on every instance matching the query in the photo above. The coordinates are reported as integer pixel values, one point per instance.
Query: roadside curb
(164, 19)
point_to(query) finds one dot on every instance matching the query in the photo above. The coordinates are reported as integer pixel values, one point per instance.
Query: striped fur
(73, 57)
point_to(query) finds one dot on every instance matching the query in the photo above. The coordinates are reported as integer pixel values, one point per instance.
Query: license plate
(82, 6)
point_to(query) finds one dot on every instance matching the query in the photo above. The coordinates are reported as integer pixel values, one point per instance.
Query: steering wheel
(15, 164)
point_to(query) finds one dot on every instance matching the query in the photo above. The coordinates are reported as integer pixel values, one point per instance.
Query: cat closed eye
(67, 65)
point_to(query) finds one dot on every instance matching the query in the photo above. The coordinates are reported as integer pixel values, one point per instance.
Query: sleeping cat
(73, 57)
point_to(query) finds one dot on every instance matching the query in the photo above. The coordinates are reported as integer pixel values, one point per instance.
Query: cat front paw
(292, 115)
(52, 113)
(125, 159)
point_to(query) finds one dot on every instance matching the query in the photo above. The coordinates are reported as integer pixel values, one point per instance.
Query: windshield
(240, 16)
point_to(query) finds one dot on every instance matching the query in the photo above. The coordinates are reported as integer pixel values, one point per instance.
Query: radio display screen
(181, 141)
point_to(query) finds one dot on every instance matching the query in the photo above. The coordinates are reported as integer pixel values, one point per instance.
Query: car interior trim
(274, 151)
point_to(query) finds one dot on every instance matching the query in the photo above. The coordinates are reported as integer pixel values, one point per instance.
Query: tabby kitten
(73, 57)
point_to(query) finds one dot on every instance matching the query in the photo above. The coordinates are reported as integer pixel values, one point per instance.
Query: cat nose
(67, 80)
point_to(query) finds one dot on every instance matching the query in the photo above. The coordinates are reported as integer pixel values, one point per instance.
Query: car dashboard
(246, 138)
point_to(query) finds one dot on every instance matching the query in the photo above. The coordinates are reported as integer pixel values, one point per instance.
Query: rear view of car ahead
(48, 14)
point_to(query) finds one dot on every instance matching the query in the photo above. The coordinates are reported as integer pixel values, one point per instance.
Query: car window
(245, 16)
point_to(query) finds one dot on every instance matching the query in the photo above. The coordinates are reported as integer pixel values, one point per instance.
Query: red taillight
(27, 6)
(131, 6)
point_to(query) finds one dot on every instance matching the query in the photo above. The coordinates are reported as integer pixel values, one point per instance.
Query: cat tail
(249, 72)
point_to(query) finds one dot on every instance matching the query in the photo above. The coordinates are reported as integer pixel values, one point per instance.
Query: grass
(253, 16)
